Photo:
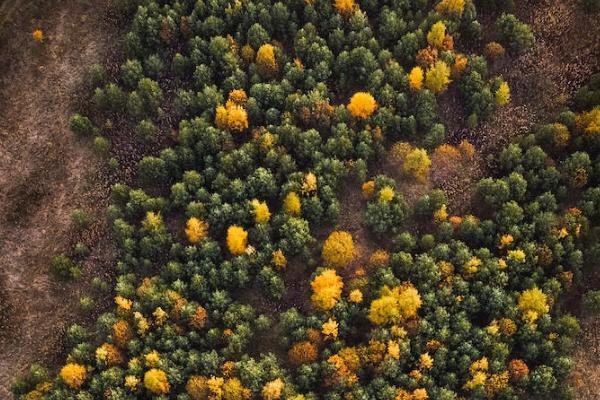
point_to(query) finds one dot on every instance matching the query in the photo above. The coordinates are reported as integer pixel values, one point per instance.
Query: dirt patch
(45, 173)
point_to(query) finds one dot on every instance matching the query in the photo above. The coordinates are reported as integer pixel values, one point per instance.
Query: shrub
(338, 250)
(63, 267)
(80, 219)
(591, 302)
(82, 126)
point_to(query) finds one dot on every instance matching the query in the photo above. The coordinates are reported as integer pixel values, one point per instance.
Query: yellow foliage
(123, 304)
(303, 353)
(355, 296)
(589, 122)
(265, 61)
(420, 394)
(494, 50)
(198, 320)
(425, 361)
(330, 328)
(415, 79)
(362, 105)
(238, 96)
(496, 383)
(237, 118)
(38, 35)
(502, 95)
(451, 7)
(152, 222)
(291, 204)
(338, 250)
(416, 164)
(234, 390)
(279, 259)
(73, 375)
(237, 240)
(386, 194)
(109, 354)
(261, 211)
(561, 134)
(460, 64)
(441, 214)
(327, 289)
(379, 259)
(438, 77)
(131, 382)
(155, 380)
(368, 188)
(196, 230)
(517, 255)
(197, 387)
(435, 37)
(121, 333)
(345, 7)
(395, 305)
(507, 326)
(472, 266)
(533, 303)
(221, 117)
(309, 184)
(506, 240)
(273, 389)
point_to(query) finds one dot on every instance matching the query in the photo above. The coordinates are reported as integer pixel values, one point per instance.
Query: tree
(362, 105)
(437, 34)
(437, 77)
(415, 79)
(345, 7)
(265, 61)
(338, 250)
(327, 289)
(502, 95)
(303, 353)
(533, 303)
(261, 211)
(73, 375)
(155, 380)
(395, 305)
(196, 230)
(416, 164)
(237, 240)
(451, 7)
(514, 33)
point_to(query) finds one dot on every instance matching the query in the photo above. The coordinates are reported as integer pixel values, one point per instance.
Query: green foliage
(62, 267)
(516, 35)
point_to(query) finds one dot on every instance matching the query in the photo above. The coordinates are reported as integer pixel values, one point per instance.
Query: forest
(296, 215)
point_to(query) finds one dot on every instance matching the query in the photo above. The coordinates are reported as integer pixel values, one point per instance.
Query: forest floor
(45, 173)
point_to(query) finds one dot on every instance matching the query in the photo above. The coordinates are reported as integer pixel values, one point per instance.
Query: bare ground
(45, 173)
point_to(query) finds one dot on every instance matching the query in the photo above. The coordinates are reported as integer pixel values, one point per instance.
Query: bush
(591, 302)
(82, 126)
(62, 267)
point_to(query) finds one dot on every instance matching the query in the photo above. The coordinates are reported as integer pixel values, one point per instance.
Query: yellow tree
(415, 79)
(438, 77)
(362, 105)
(237, 240)
(196, 230)
(451, 7)
(395, 305)
(437, 34)
(502, 95)
(345, 7)
(416, 164)
(338, 249)
(266, 62)
(327, 289)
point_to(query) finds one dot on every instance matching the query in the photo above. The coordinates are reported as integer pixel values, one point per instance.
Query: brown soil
(45, 173)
